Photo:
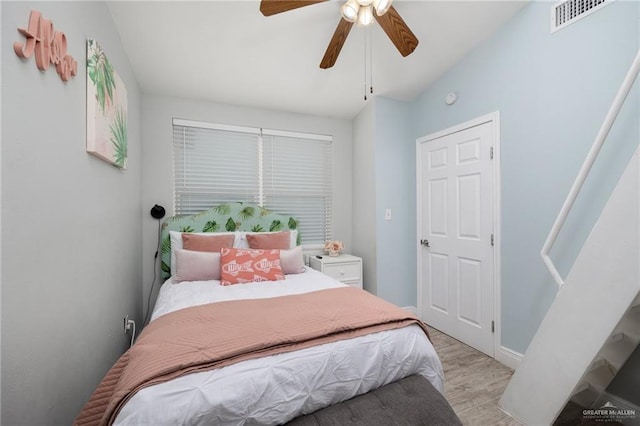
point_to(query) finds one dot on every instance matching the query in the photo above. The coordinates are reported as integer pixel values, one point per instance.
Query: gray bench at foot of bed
(411, 401)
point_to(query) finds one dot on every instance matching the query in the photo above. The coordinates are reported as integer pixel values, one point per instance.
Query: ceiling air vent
(570, 11)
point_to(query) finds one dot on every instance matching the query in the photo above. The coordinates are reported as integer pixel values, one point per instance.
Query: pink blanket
(219, 334)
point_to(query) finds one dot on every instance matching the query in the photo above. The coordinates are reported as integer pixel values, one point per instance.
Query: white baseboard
(508, 357)
(505, 356)
(411, 309)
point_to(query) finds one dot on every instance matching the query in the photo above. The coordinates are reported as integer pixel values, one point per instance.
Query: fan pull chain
(368, 40)
(365, 64)
(370, 60)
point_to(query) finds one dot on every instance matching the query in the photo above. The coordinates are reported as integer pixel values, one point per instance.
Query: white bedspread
(275, 389)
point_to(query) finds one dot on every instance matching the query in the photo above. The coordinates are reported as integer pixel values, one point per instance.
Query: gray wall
(71, 237)
(384, 177)
(364, 195)
(157, 161)
(552, 91)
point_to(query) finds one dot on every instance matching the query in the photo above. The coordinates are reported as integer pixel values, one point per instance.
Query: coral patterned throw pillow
(246, 265)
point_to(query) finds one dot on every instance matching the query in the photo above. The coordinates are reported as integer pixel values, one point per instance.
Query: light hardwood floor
(474, 382)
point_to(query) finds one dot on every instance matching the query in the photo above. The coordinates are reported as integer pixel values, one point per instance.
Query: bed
(281, 378)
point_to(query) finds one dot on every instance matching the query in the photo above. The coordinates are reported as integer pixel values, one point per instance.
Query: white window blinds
(297, 178)
(213, 166)
(289, 173)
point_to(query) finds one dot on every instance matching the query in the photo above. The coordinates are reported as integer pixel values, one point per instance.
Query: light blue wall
(384, 177)
(363, 222)
(552, 91)
(71, 235)
(395, 168)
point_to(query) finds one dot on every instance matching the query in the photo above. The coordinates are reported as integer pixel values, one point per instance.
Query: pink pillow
(211, 243)
(275, 240)
(196, 266)
(246, 265)
(292, 261)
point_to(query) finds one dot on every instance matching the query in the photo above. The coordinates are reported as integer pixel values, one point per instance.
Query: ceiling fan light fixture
(382, 6)
(350, 10)
(365, 16)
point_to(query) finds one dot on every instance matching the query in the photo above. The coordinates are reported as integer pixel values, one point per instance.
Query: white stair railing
(592, 317)
(586, 168)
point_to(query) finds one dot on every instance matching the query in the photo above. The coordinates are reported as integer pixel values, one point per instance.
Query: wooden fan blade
(398, 31)
(272, 7)
(336, 43)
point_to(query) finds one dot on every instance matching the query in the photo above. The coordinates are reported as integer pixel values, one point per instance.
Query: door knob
(425, 243)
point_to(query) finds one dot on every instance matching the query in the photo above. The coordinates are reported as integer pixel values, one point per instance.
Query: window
(287, 172)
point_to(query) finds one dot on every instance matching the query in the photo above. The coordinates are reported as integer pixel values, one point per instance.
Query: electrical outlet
(387, 214)
(127, 326)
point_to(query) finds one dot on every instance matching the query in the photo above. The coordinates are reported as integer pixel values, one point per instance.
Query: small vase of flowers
(333, 247)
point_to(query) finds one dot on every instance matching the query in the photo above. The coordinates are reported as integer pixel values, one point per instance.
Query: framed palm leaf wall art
(106, 109)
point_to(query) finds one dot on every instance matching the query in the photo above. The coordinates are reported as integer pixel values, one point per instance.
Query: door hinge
(492, 240)
(491, 153)
(493, 326)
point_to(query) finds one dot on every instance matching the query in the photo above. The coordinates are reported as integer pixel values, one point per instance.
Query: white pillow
(243, 243)
(176, 242)
(292, 261)
(196, 266)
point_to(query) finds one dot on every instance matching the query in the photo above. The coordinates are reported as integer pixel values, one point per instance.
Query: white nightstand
(344, 268)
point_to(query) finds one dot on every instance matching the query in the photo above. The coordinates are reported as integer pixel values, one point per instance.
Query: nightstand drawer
(344, 268)
(343, 271)
(354, 283)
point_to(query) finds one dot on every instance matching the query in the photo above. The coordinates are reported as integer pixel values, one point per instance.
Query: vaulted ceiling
(228, 52)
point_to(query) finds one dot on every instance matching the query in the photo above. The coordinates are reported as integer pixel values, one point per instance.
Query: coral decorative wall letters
(49, 46)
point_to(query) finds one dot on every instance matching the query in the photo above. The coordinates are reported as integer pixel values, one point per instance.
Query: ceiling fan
(361, 11)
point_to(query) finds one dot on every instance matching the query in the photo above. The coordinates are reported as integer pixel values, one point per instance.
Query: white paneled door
(455, 225)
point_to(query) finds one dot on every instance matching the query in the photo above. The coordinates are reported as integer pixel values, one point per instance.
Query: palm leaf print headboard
(226, 217)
